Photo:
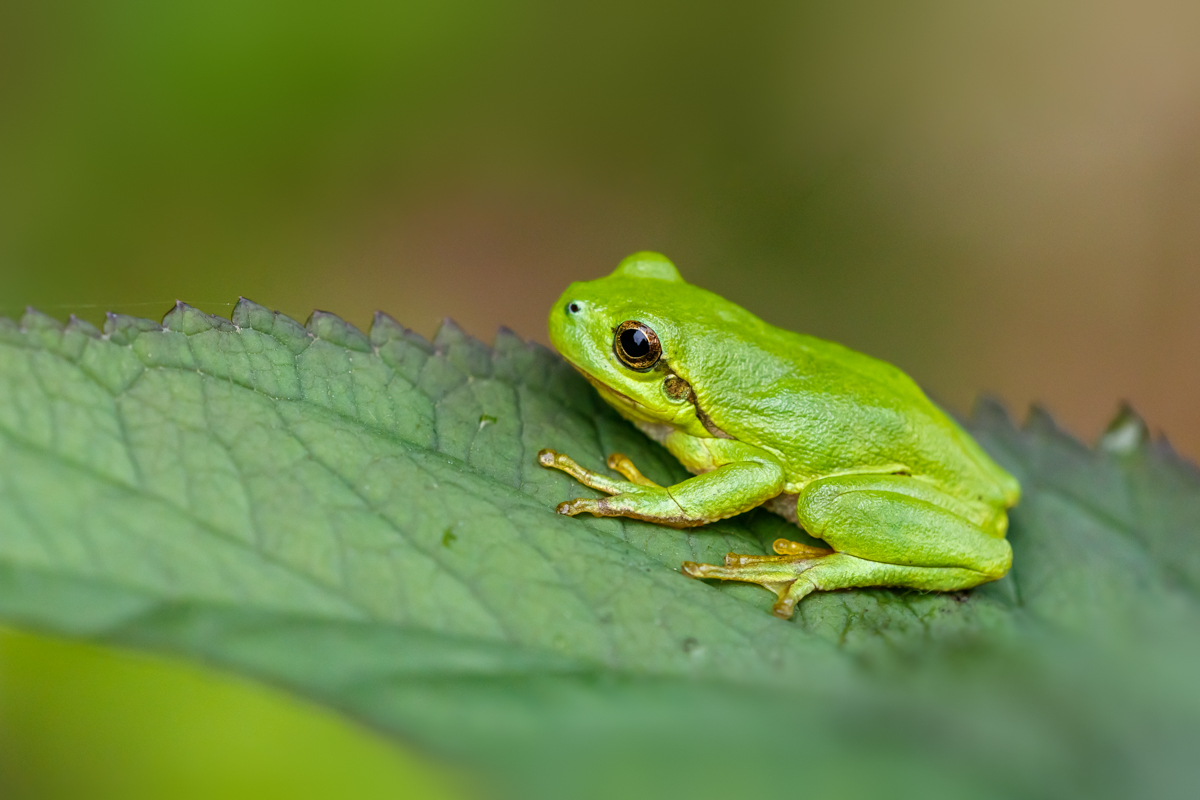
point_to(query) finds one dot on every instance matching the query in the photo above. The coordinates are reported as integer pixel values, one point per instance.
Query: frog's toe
(772, 576)
(786, 547)
(580, 505)
(594, 480)
(785, 606)
(620, 463)
(777, 574)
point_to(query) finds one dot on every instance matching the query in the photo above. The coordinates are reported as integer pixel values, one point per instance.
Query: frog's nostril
(573, 308)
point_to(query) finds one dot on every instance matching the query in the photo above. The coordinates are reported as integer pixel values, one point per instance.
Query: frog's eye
(574, 307)
(636, 345)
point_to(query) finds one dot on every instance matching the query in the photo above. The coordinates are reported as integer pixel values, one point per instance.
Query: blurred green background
(996, 197)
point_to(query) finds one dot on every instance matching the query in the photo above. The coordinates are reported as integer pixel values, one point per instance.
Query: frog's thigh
(897, 520)
(841, 571)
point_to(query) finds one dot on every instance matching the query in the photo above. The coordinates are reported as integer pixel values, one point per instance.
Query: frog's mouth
(604, 388)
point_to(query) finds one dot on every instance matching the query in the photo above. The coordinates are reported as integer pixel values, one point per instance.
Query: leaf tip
(1126, 434)
(35, 320)
(990, 411)
(333, 329)
(123, 329)
(507, 339)
(77, 325)
(244, 312)
(462, 349)
(451, 333)
(1039, 420)
(384, 328)
(449, 329)
(249, 315)
(189, 320)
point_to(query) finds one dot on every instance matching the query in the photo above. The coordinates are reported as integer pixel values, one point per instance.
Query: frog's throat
(638, 412)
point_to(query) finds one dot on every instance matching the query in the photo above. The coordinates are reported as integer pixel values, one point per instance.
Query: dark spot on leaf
(448, 538)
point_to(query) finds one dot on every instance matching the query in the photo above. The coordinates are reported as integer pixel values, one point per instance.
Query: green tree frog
(839, 443)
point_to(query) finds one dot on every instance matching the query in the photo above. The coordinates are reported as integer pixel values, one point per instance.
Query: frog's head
(625, 333)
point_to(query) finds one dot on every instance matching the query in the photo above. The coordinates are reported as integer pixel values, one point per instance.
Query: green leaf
(361, 518)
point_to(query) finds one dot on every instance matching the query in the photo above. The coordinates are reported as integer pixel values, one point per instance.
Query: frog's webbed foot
(636, 484)
(778, 573)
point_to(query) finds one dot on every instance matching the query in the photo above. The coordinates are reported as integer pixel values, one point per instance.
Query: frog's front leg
(723, 492)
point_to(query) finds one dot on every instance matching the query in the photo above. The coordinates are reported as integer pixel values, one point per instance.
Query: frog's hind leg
(776, 573)
(885, 530)
(793, 577)
(894, 530)
(840, 571)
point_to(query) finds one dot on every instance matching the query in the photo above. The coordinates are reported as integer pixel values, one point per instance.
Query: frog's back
(830, 410)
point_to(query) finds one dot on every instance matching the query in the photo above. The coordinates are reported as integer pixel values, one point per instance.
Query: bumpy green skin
(843, 444)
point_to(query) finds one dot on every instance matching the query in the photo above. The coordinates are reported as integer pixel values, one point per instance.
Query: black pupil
(635, 343)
